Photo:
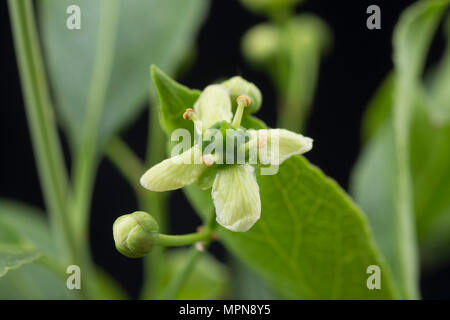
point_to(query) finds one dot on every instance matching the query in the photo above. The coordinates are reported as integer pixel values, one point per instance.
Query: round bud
(260, 44)
(135, 234)
(237, 86)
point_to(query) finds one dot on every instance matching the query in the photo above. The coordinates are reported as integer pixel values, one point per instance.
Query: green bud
(237, 86)
(135, 234)
(269, 7)
(260, 43)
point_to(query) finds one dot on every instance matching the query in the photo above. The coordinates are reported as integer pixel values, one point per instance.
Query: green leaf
(148, 32)
(174, 99)
(33, 280)
(312, 241)
(209, 279)
(30, 223)
(383, 178)
(15, 251)
(14, 256)
(247, 285)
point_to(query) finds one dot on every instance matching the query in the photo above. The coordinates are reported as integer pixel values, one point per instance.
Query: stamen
(189, 114)
(242, 101)
(208, 160)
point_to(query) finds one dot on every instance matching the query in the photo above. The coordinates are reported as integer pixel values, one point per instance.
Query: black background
(356, 65)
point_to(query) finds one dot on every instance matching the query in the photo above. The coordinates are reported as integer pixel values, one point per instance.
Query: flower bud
(260, 44)
(135, 234)
(237, 86)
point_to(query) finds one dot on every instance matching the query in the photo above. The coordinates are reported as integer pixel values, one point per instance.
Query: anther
(245, 100)
(208, 160)
(188, 114)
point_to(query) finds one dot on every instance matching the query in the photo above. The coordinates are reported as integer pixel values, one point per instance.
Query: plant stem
(127, 162)
(44, 134)
(183, 240)
(180, 279)
(153, 202)
(87, 153)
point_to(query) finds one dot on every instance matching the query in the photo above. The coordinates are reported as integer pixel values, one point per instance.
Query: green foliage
(174, 99)
(208, 280)
(374, 179)
(311, 241)
(159, 32)
(28, 230)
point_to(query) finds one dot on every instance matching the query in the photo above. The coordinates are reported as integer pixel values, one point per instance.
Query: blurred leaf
(311, 242)
(149, 32)
(208, 281)
(30, 223)
(247, 285)
(14, 256)
(15, 250)
(374, 177)
(34, 280)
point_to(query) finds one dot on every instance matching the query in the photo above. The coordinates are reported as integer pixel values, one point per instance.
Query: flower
(229, 171)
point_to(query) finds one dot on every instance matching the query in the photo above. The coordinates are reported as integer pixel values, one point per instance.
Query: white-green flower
(235, 190)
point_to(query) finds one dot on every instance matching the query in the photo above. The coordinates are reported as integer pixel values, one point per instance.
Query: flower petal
(277, 145)
(236, 197)
(175, 172)
(213, 105)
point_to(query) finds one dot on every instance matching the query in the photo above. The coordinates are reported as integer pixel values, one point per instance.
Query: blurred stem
(87, 153)
(174, 286)
(297, 82)
(127, 162)
(154, 202)
(44, 133)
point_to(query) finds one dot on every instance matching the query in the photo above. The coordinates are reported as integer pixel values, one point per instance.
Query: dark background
(353, 69)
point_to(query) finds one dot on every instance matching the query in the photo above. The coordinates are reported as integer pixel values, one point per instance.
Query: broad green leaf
(385, 175)
(33, 280)
(15, 251)
(209, 280)
(30, 223)
(247, 285)
(312, 241)
(14, 256)
(148, 32)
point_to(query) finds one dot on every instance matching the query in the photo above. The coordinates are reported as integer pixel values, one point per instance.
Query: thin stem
(86, 155)
(180, 279)
(183, 240)
(155, 203)
(127, 162)
(177, 283)
(44, 134)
